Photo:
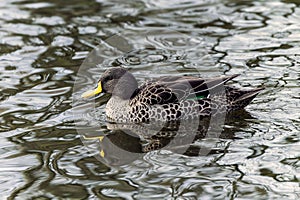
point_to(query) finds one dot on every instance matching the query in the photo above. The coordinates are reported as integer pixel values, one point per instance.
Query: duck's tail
(238, 99)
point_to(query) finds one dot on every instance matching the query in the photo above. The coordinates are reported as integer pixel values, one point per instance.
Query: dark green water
(45, 155)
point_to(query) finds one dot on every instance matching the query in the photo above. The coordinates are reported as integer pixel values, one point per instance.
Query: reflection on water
(125, 143)
(43, 44)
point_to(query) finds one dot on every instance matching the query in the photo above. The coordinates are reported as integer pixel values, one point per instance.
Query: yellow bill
(92, 93)
(102, 153)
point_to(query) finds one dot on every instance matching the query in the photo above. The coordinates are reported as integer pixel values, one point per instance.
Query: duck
(168, 98)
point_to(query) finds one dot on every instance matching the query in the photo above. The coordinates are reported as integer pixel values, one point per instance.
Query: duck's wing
(176, 89)
(196, 88)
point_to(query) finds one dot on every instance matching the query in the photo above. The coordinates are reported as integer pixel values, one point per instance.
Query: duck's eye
(107, 78)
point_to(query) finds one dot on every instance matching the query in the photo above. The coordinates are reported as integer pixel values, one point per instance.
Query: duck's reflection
(121, 144)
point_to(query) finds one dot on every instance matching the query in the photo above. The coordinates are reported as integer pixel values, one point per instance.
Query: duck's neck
(117, 109)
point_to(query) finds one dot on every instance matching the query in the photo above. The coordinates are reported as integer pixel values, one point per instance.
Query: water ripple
(42, 154)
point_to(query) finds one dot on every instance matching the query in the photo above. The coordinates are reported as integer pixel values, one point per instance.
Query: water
(43, 45)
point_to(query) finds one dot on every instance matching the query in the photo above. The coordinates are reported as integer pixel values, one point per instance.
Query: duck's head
(115, 81)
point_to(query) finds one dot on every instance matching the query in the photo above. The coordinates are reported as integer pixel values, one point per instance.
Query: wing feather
(176, 89)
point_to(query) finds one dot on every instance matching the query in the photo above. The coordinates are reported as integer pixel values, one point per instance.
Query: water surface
(43, 45)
